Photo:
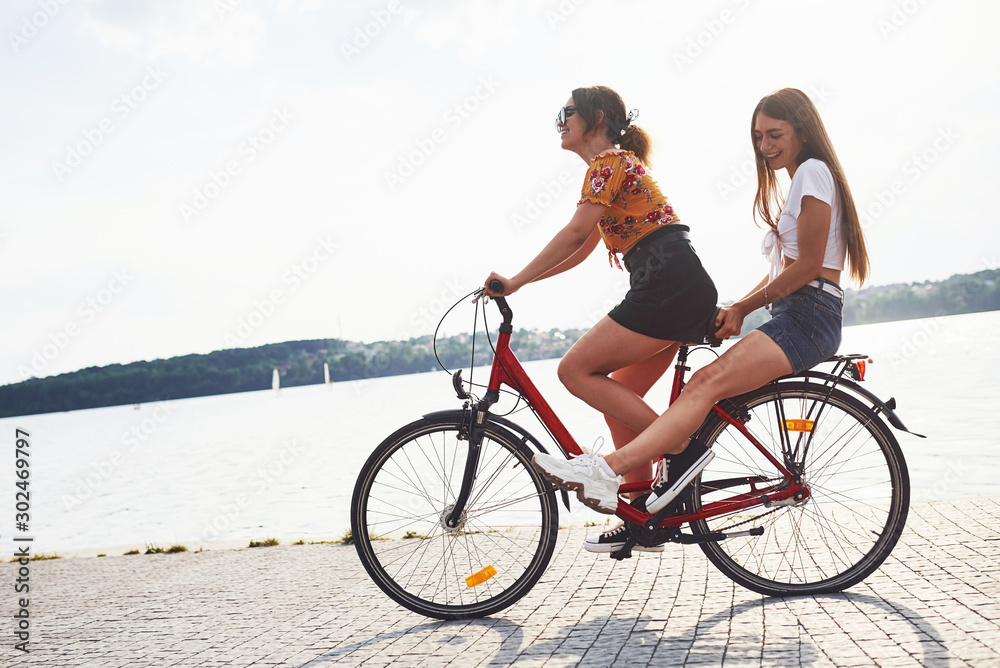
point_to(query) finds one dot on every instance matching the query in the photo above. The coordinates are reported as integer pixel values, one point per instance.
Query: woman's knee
(568, 372)
(706, 383)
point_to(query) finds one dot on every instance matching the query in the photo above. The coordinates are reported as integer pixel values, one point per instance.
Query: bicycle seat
(710, 329)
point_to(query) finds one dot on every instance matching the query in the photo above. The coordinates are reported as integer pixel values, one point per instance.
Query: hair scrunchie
(632, 115)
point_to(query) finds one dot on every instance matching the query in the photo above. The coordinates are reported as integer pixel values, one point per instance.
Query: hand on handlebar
(507, 286)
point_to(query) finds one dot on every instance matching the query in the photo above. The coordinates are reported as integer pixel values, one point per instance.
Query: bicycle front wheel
(502, 544)
(854, 470)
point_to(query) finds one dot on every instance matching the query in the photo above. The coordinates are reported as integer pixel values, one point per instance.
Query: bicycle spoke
(508, 523)
(857, 492)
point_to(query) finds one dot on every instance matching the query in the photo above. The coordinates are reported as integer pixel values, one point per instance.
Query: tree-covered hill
(301, 362)
(246, 369)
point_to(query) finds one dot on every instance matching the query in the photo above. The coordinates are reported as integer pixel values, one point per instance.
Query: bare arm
(812, 228)
(564, 245)
(576, 258)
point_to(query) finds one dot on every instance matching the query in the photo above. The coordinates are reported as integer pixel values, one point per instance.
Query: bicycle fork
(473, 432)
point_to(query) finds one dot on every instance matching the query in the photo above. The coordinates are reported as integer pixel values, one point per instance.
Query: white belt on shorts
(827, 287)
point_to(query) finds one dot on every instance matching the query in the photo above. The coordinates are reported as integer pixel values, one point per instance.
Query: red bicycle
(807, 494)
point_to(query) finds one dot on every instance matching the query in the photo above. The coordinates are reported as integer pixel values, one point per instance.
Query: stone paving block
(934, 602)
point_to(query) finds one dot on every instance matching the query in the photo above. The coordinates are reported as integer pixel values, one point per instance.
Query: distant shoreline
(296, 363)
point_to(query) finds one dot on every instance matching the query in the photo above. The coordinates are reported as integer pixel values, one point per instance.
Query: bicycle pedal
(622, 554)
(676, 506)
(625, 551)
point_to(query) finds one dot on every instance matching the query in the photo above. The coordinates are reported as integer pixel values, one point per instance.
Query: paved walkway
(936, 602)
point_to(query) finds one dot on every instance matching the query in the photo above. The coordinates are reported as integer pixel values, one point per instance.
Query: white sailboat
(326, 373)
(276, 382)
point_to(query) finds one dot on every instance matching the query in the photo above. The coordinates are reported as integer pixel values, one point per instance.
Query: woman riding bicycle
(810, 236)
(671, 296)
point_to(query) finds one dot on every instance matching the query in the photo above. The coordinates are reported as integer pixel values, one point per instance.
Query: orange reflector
(480, 577)
(860, 366)
(799, 425)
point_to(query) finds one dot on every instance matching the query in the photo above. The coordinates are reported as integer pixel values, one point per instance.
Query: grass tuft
(268, 542)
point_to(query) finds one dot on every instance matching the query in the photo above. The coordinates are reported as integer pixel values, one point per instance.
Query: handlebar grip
(496, 286)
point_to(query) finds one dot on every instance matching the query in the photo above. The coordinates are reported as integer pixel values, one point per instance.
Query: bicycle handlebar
(497, 286)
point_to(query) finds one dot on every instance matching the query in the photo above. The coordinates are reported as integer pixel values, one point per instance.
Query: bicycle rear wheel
(504, 540)
(858, 485)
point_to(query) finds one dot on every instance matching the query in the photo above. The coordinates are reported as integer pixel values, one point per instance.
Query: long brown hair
(794, 107)
(593, 98)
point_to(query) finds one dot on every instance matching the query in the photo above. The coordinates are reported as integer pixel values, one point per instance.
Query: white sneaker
(614, 540)
(584, 475)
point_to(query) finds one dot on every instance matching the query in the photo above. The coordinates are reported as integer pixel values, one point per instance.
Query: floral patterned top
(636, 207)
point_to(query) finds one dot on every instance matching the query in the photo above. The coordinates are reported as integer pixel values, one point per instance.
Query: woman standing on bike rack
(671, 296)
(812, 234)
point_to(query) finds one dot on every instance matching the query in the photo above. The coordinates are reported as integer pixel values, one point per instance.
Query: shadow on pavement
(616, 639)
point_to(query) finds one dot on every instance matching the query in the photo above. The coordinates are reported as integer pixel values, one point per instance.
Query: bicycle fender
(526, 437)
(885, 407)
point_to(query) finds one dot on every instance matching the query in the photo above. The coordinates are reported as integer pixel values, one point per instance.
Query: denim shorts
(806, 325)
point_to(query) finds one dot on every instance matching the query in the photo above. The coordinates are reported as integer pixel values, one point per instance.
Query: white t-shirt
(812, 178)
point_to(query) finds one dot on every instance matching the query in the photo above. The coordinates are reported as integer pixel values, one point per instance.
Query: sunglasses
(564, 113)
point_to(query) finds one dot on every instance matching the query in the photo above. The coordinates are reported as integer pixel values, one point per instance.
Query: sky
(190, 176)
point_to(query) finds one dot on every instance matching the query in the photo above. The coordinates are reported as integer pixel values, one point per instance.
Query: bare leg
(608, 347)
(752, 361)
(639, 378)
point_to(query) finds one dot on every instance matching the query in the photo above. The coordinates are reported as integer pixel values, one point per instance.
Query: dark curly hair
(617, 127)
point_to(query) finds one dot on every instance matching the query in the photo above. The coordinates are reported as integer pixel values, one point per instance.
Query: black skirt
(671, 296)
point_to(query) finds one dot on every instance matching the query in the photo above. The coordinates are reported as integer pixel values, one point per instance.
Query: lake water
(263, 464)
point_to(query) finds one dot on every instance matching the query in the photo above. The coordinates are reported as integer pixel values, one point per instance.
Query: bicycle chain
(752, 519)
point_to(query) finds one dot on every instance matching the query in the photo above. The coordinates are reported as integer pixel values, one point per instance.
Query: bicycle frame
(507, 370)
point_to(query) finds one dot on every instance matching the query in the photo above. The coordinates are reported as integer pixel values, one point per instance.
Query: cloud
(470, 28)
(220, 32)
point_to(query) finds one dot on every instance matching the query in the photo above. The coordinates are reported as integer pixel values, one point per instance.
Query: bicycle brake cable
(486, 326)
(478, 292)
(438, 328)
